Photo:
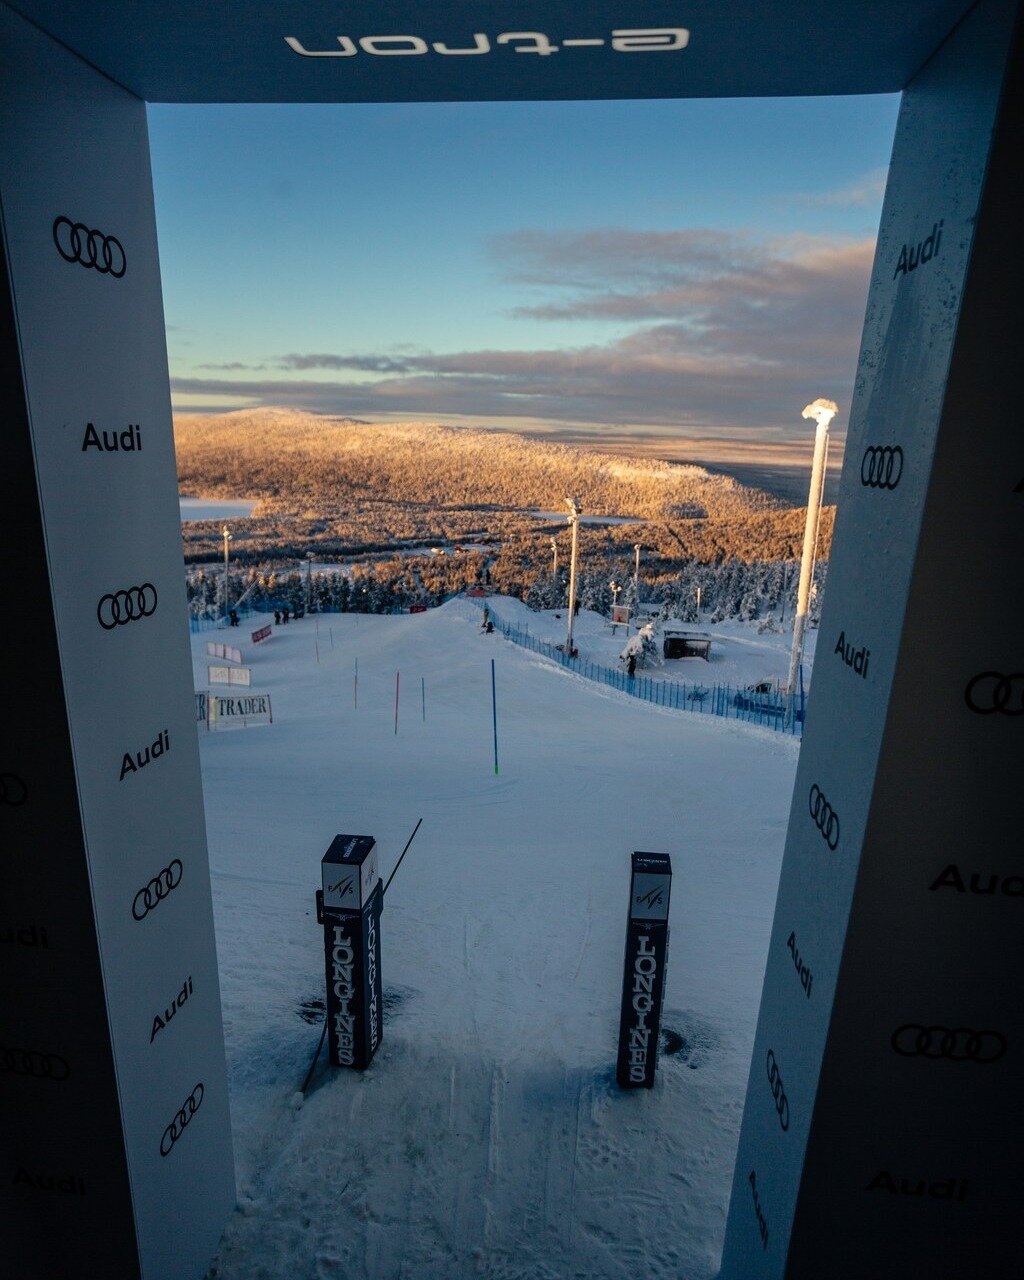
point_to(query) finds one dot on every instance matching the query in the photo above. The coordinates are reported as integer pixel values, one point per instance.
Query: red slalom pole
(397, 676)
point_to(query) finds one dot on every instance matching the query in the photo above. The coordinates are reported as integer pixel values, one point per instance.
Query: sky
(658, 275)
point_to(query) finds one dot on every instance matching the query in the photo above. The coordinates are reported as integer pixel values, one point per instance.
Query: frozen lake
(587, 519)
(215, 508)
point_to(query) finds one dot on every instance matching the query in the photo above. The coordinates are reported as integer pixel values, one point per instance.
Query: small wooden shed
(684, 642)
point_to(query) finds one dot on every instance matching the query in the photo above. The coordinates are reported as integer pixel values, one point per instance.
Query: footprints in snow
(313, 1008)
(687, 1039)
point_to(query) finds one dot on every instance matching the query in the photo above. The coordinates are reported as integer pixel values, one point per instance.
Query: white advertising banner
(239, 711)
(148, 1190)
(226, 652)
(229, 675)
(883, 1116)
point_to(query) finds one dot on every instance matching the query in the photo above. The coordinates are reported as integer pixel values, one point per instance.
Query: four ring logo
(118, 608)
(958, 1044)
(13, 791)
(29, 1062)
(881, 466)
(177, 1126)
(158, 888)
(778, 1093)
(825, 816)
(78, 243)
(991, 691)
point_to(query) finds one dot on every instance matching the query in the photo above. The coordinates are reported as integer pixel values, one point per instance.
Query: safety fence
(767, 707)
(197, 625)
(207, 622)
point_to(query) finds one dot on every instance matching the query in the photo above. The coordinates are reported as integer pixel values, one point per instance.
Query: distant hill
(347, 488)
(293, 460)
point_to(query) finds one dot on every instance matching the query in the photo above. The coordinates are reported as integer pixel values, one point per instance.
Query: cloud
(367, 364)
(866, 190)
(233, 366)
(725, 333)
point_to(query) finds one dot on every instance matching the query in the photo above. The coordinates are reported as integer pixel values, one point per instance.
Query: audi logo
(778, 1093)
(157, 889)
(13, 791)
(958, 1044)
(78, 243)
(991, 692)
(185, 1113)
(30, 1062)
(825, 817)
(118, 608)
(881, 466)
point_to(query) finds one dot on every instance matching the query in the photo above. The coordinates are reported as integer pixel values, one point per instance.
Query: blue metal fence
(784, 712)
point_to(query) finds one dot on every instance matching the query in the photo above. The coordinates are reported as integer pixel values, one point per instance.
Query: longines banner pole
(352, 900)
(643, 970)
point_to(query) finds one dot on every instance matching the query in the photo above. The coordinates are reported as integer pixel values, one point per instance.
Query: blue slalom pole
(494, 712)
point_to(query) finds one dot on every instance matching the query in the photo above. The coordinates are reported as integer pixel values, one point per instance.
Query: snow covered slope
(740, 655)
(488, 1137)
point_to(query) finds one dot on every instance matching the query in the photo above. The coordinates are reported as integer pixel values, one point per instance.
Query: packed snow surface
(488, 1137)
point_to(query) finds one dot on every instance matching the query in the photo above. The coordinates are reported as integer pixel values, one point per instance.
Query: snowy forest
(760, 590)
(413, 513)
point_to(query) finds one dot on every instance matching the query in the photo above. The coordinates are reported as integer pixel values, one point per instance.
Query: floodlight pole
(227, 536)
(822, 411)
(554, 558)
(309, 579)
(575, 511)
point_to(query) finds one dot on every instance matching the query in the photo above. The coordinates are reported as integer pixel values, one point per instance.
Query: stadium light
(575, 511)
(636, 587)
(227, 539)
(822, 411)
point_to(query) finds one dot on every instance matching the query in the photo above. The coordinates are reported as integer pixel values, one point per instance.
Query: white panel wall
(882, 1120)
(88, 325)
